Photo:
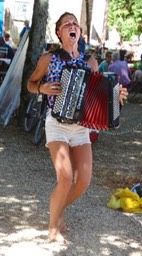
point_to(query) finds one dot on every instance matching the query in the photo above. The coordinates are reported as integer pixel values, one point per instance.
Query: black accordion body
(90, 99)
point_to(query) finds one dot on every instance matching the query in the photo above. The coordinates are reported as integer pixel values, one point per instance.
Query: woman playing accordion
(69, 143)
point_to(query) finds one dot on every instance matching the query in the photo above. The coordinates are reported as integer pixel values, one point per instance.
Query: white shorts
(73, 134)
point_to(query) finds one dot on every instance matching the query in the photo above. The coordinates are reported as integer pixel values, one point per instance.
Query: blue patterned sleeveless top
(54, 71)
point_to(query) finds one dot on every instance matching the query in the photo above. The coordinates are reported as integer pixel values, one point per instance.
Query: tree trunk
(35, 49)
(87, 20)
(105, 25)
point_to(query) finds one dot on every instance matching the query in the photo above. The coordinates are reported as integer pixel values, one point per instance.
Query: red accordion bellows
(97, 102)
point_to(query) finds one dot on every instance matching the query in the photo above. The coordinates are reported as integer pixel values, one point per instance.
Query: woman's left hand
(123, 94)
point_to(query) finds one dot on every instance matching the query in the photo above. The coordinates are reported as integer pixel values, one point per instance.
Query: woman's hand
(123, 94)
(53, 88)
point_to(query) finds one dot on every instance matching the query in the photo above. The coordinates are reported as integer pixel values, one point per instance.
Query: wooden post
(88, 21)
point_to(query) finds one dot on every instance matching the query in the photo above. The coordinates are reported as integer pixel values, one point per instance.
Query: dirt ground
(118, 153)
(27, 177)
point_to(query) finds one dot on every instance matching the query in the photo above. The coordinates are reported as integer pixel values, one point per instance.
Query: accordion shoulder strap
(64, 55)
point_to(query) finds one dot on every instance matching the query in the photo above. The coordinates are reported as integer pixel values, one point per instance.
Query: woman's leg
(60, 156)
(81, 158)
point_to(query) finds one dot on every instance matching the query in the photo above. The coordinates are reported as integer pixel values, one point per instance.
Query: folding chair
(3, 52)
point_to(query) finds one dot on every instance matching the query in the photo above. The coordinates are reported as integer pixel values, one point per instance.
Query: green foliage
(127, 16)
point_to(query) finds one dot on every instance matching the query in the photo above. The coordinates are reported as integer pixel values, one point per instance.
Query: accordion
(90, 99)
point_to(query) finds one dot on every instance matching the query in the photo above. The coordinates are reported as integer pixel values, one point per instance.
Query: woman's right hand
(52, 88)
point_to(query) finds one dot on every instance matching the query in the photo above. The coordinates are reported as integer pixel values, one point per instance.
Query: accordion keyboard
(65, 78)
(72, 82)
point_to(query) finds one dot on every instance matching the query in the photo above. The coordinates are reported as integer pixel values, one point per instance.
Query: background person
(137, 75)
(8, 40)
(120, 67)
(26, 27)
(103, 67)
(81, 43)
(69, 144)
(4, 45)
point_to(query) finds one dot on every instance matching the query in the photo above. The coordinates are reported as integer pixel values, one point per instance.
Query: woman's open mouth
(72, 35)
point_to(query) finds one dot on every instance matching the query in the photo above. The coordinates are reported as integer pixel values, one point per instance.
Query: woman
(69, 144)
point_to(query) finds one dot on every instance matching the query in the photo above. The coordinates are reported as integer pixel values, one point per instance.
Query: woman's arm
(38, 74)
(34, 83)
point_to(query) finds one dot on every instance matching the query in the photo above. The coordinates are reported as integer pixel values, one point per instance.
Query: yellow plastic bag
(126, 200)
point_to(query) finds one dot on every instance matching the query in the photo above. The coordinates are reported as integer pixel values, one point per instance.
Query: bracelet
(38, 88)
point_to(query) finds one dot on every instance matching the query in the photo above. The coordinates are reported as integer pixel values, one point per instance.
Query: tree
(127, 15)
(105, 25)
(87, 20)
(35, 47)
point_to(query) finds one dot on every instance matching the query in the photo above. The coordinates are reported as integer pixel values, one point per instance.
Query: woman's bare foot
(56, 236)
(62, 225)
